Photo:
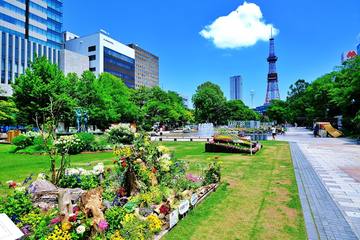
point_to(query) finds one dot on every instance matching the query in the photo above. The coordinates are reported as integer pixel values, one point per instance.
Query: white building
(236, 88)
(106, 55)
(72, 62)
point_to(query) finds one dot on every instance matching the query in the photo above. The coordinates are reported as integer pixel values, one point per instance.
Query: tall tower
(272, 91)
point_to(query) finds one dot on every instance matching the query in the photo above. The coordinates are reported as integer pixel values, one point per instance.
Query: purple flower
(26, 230)
(103, 225)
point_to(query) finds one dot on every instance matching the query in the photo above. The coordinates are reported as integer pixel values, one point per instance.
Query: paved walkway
(328, 176)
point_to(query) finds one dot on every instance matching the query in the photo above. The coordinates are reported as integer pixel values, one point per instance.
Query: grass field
(258, 198)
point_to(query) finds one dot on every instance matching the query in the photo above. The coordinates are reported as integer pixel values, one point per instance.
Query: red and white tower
(272, 91)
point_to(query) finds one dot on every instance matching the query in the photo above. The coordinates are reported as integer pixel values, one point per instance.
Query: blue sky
(311, 37)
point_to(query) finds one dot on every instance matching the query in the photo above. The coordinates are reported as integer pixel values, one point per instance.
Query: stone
(41, 185)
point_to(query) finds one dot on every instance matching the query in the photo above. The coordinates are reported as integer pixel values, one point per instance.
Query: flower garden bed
(232, 144)
(141, 197)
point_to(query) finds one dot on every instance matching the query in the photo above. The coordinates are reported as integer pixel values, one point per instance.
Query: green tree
(159, 106)
(237, 110)
(106, 98)
(210, 104)
(278, 111)
(43, 86)
(345, 93)
(8, 112)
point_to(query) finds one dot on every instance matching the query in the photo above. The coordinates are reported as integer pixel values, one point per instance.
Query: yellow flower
(66, 226)
(116, 236)
(155, 223)
(58, 234)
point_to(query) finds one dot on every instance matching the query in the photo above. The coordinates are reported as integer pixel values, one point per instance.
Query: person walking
(273, 132)
(316, 130)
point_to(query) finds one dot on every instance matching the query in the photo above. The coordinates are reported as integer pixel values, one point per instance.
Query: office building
(73, 62)
(146, 68)
(236, 87)
(27, 29)
(106, 55)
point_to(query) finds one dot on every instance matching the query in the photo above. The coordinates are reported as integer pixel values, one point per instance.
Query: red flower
(73, 218)
(76, 209)
(123, 164)
(121, 191)
(164, 209)
(154, 170)
(12, 185)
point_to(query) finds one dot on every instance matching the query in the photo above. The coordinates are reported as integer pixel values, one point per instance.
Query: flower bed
(232, 144)
(141, 197)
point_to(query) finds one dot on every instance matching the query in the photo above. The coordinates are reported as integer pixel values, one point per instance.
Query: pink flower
(103, 225)
(55, 221)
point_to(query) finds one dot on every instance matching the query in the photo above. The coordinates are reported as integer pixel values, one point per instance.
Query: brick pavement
(327, 171)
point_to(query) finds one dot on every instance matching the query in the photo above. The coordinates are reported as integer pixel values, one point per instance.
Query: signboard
(184, 206)
(174, 218)
(348, 55)
(194, 199)
(8, 230)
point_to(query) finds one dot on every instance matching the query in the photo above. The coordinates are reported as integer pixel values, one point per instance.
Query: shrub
(114, 216)
(22, 141)
(16, 205)
(84, 182)
(86, 141)
(119, 134)
(100, 143)
(69, 144)
(212, 174)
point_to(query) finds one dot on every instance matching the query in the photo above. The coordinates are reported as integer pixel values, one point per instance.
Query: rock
(145, 211)
(41, 185)
(106, 204)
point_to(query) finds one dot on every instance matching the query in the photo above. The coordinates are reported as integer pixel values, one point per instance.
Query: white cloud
(243, 27)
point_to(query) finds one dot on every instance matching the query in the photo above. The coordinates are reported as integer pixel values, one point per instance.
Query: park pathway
(328, 176)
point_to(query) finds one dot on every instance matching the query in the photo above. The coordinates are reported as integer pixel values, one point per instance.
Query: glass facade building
(28, 28)
(236, 86)
(120, 65)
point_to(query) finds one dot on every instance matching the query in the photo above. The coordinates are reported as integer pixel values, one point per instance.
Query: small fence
(249, 124)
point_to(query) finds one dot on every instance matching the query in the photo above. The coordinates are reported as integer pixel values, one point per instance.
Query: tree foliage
(335, 93)
(212, 106)
(210, 103)
(42, 87)
(159, 106)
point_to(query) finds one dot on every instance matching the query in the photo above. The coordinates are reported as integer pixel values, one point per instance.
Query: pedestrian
(273, 132)
(316, 130)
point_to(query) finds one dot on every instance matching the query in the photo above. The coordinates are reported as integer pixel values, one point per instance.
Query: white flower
(98, 169)
(72, 171)
(80, 229)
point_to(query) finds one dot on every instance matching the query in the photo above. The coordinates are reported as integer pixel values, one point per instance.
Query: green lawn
(17, 167)
(258, 198)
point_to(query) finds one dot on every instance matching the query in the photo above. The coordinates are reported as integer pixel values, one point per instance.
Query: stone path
(328, 174)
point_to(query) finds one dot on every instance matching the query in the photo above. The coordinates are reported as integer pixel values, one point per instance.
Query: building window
(92, 57)
(92, 48)
(93, 69)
